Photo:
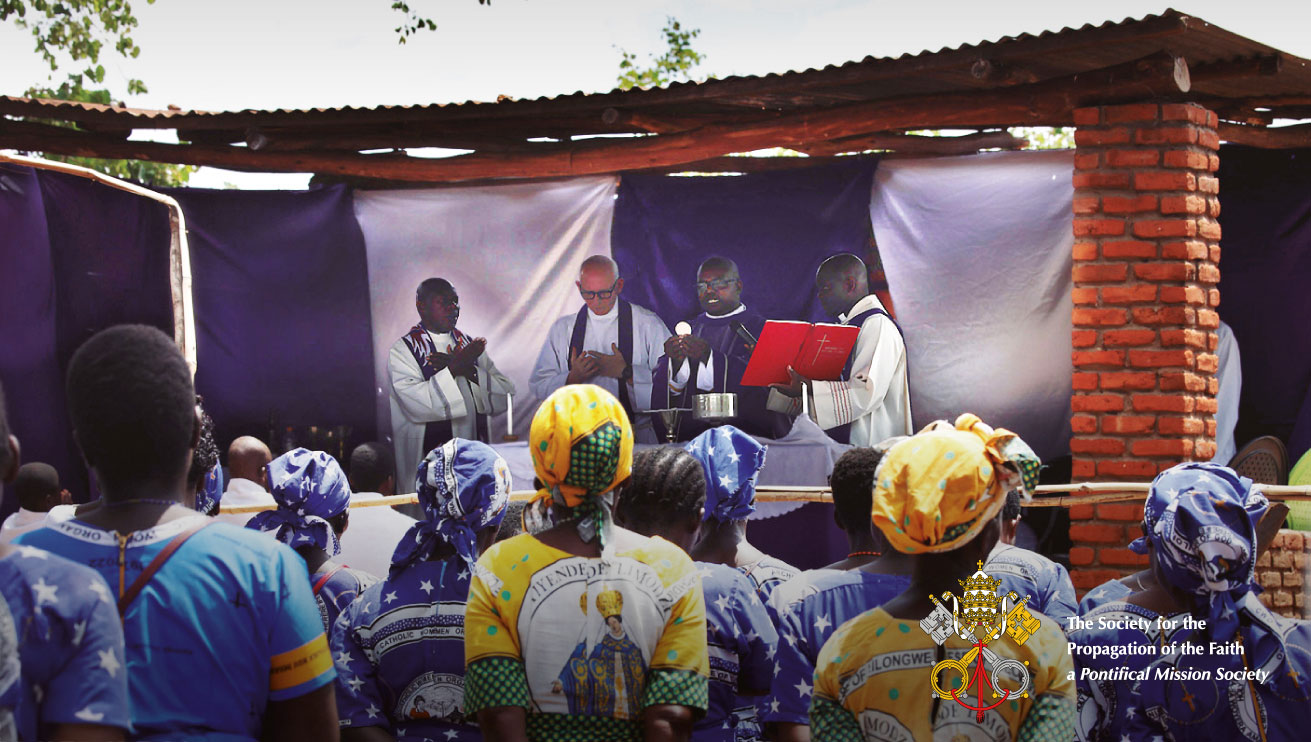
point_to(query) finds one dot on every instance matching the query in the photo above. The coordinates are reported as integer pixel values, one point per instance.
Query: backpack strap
(319, 583)
(170, 549)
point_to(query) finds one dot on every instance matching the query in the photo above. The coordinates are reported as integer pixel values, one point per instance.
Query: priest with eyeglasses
(712, 357)
(610, 342)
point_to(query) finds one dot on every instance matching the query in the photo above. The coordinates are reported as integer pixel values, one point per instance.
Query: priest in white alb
(871, 403)
(443, 383)
(610, 343)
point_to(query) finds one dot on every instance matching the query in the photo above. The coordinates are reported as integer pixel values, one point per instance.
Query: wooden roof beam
(1283, 137)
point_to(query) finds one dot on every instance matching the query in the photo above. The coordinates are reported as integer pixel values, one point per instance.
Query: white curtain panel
(977, 253)
(512, 253)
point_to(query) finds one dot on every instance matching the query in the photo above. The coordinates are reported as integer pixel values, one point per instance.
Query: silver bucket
(719, 406)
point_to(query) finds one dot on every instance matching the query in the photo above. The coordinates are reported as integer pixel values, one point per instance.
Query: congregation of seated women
(621, 600)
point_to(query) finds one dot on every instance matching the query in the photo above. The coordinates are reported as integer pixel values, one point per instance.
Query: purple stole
(431, 361)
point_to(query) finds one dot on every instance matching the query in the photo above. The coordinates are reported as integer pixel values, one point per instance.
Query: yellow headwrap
(582, 446)
(937, 489)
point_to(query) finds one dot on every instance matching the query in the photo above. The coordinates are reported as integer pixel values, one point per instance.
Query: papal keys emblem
(981, 616)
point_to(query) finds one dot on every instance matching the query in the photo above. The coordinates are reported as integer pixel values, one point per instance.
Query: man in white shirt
(247, 479)
(371, 540)
(37, 489)
(443, 383)
(875, 398)
(609, 342)
(1229, 374)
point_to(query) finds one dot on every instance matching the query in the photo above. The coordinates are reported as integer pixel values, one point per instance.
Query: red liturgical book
(817, 351)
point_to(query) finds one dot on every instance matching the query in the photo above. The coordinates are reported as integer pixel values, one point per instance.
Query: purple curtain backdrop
(776, 226)
(77, 257)
(1265, 268)
(281, 293)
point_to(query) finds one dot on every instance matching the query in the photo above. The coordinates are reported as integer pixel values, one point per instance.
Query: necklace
(864, 553)
(138, 501)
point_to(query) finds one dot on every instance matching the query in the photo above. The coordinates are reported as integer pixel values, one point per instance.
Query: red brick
(1085, 296)
(1183, 295)
(1086, 226)
(1207, 184)
(1128, 204)
(1083, 338)
(1292, 579)
(1281, 559)
(1081, 511)
(1174, 316)
(1269, 579)
(1112, 338)
(1081, 556)
(1208, 362)
(1097, 403)
(1208, 139)
(1207, 273)
(1135, 294)
(1125, 511)
(1129, 248)
(1213, 163)
(1084, 317)
(1085, 382)
(1087, 116)
(1186, 159)
(1167, 135)
(1165, 270)
(1131, 112)
(1263, 560)
(1163, 403)
(1281, 599)
(1102, 179)
(1097, 533)
(1189, 112)
(1294, 540)
(1086, 579)
(1120, 557)
(1191, 250)
(1164, 180)
(1212, 120)
(1189, 338)
(1089, 161)
(1164, 228)
(1101, 137)
(1174, 425)
(1083, 469)
(1204, 450)
(1177, 381)
(1132, 157)
(1084, 358)
(1212, 386)
(1189, 204)
(1208, 318)
(1100, 272)
(1160, 358)
(1176, 448)
(1208, 229)
(1127, 424)
(1097, 446)
(1213, 254)
(1086, 251)
(1213, 297)
(1083, 423)
(1210, 427)
(1134, 469)
(1086, 204)
(1206, 405)
(1132, 380)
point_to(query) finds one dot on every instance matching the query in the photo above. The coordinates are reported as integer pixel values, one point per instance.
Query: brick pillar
(1146, 256)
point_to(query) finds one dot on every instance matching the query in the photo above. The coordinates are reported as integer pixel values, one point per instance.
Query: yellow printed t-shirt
(872, 683)
(585, 644)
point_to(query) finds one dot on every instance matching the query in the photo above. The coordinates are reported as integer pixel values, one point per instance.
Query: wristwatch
(627, 373)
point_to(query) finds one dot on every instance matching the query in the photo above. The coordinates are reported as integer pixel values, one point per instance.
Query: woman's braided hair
(667, 483)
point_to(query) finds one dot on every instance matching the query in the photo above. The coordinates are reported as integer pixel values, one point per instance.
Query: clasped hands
(462, 361)
(587, 364)
(680, 348)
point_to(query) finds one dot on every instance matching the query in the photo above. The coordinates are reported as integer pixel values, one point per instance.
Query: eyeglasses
(602, 294)
(718, 284)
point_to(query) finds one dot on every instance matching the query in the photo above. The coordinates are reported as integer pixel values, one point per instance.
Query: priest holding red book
(712, 357)
(871, 403)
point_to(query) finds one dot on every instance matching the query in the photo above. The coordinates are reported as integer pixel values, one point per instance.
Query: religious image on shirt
(432, 695)
(596, 645)
(10, 669)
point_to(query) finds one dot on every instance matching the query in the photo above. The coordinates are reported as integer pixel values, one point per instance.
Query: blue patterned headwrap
(1204, 536)
(211, 490)
(464, 487)
(309, 488)
(732, 461)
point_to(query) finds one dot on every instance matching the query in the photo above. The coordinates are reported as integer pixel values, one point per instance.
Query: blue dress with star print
(399, 652)
(335, 587)
(807, 611)
(70, 645)
(742, 641)
(1047, 583)
(227, 625)
(1103, 594)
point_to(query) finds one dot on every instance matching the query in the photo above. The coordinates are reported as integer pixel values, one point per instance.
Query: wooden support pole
(1283, 137)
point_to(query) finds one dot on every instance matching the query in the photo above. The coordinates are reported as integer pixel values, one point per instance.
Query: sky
(237, 54)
